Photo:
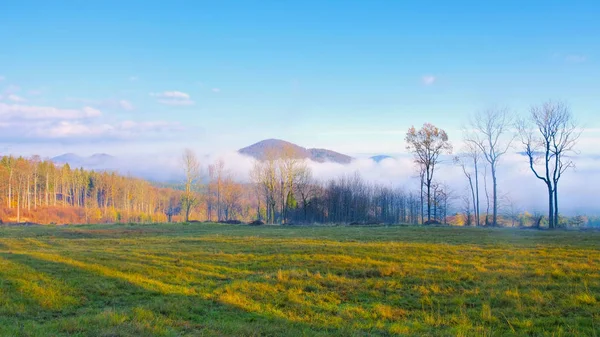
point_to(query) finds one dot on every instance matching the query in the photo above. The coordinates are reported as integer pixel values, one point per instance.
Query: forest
(282, 189)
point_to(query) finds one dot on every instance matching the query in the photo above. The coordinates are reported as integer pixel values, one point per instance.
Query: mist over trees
(191, 168)
(427, 144)
(549, 137)
(490, 135)
(282, 189)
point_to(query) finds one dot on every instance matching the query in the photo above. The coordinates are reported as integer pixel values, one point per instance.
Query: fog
(516, 183)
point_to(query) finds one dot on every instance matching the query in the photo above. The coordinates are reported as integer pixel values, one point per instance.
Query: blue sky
(118, 76)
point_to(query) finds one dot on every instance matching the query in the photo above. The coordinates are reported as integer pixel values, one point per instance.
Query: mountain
(379, 158)
(276, 147)
(67, 158)
(98, 160)
(324, 155)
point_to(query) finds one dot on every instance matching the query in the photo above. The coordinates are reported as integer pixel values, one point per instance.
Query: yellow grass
(208, 279)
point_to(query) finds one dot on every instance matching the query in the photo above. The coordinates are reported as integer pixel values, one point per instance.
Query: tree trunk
(550, 207)
(477, 212)
(555, 193)
(422, 203)
(35, 191)
(474, 202)
(495, 197)
(428, 196)
(47, 188)
(10, 190)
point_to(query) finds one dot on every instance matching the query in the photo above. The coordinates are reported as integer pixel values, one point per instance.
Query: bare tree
(467, 209)
(305, 187)
(511, 210)
(264, 175)
(209, 192)
(491, 134)
(421, 187)
(548, 137)
(231, 194)
(487, 195)
(290, 167)
(470, 156)
(191, 167)
(427, 144)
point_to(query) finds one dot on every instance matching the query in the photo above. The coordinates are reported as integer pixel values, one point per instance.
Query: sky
(154, 77)
(347, 75)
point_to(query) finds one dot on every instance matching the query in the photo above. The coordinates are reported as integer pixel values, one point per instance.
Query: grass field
(200, 279)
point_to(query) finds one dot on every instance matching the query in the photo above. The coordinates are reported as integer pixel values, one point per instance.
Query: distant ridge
(380, 157)
(94, 161)
(66, 158)
(262, 149)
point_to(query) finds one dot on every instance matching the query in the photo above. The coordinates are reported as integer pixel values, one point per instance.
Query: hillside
(380, 157)
(277, 147)
(98, 160)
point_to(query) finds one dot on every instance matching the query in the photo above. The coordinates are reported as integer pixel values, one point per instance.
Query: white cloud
(216, 90)
(152, 126)
(126, 105)
(122, 130)
(428, 79)
(20, 111)
(173, 98)
(15, 98)
(121, 104)
(575, 58)
(91, 112)
(11, 88)
(171, 94)
(65, 129)
(181, 102)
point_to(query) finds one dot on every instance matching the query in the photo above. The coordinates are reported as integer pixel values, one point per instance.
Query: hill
(380, 157)
(98, 160)
(277, 147)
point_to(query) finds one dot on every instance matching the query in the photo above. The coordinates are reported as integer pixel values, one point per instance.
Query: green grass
(199, 279)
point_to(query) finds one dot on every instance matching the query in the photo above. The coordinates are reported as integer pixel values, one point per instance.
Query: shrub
(231, 222)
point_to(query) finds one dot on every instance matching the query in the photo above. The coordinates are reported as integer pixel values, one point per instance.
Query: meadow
(228, 280)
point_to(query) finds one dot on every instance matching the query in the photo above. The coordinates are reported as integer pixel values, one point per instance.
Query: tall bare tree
(264, 175)
(549, 137)
(219, 172)
(191, 167)
(305, 187)
(491, 133)
(469, 163)
(290, 167)
(427, 144)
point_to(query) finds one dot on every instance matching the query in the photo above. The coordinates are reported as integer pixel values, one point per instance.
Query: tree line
(282, 189)
(36, 190)
(548, 136)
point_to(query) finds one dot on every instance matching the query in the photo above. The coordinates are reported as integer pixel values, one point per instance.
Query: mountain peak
(93, 161)
(276, 147)
(380, 157)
